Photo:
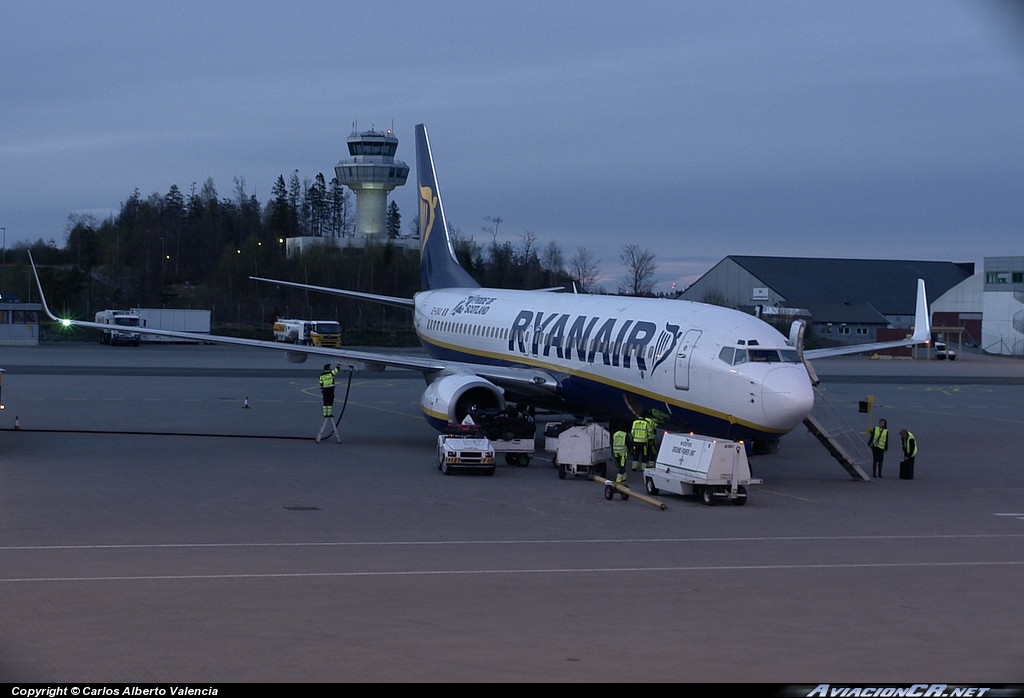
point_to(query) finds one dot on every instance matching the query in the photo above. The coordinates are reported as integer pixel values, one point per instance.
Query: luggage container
(906, 470)
(583, 450)
(710, 468)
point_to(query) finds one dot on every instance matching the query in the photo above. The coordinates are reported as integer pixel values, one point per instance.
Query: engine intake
(448, 399)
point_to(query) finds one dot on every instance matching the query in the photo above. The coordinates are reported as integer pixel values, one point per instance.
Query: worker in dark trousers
(878, 440)
(327, 388)
(327, 392)
(639, 434)
(652, 441)
(620, 450)
(909, 446)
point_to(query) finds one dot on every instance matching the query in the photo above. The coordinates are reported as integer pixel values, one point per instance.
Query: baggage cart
(517, 451)
(583, 450)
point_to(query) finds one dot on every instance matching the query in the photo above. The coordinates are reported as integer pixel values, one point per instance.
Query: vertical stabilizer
(438, 266)
(922, 316)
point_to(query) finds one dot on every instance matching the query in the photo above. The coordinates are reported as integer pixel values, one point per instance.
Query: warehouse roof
(888, 285)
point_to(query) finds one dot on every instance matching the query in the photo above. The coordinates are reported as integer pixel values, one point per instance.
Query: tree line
(198, 250)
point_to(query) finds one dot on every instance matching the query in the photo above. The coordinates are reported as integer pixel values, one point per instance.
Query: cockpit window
(774, 355)
(734, 356)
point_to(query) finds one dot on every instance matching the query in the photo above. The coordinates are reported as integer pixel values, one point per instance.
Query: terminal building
(19, 323)
(1002, 330)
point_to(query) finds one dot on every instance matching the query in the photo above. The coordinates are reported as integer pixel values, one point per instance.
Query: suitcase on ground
(907, 470)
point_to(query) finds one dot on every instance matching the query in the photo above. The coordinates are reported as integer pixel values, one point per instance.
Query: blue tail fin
(438, 266)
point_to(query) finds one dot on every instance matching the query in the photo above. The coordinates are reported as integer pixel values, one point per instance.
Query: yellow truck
(317, 333)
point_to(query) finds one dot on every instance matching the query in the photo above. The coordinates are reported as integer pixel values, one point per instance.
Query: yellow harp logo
(428, 207)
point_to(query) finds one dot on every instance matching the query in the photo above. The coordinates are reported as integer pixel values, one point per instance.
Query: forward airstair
(840, 439)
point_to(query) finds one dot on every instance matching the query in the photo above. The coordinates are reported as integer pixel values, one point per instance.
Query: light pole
(3, 270)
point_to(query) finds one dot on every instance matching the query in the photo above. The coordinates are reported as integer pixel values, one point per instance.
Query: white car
(944, 352)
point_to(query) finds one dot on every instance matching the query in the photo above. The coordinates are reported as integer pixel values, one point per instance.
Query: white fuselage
(701, 367)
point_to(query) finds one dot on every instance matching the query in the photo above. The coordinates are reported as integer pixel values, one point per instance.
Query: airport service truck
(120, 322)
(317, 333)
(710, 468)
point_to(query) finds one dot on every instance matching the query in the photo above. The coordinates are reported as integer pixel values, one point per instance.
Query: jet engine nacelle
(448, 399)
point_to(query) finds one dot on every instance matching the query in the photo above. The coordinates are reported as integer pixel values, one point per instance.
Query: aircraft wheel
(707, 496)
(651, 487)
(741, 496)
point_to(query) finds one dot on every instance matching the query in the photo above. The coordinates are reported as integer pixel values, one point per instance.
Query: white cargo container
(176, 319)
(709, 468)
(583, 450)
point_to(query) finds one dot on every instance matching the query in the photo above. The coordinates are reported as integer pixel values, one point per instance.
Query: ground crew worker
(909, 445)
(640, 433)
(327, 388)
(621, 451)
(878, 440)
(652, 441)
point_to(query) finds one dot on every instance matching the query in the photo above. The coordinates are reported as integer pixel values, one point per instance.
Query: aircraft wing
(387, 300)
(922, 334)
(360, 295)
(522, 380)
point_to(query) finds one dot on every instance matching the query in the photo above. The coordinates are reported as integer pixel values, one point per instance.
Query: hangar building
(846, 300)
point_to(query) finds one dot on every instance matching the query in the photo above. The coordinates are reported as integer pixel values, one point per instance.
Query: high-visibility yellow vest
(879, 437)
(910, 446)
(619, 442)
(639, 431)
(327, 378)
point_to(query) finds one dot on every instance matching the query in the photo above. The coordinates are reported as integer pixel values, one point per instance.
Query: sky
(822, 128)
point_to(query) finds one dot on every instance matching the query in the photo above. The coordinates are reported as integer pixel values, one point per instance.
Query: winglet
(39, 285)
(922, 322)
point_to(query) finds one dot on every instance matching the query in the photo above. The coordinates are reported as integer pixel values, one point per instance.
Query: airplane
(692, 366)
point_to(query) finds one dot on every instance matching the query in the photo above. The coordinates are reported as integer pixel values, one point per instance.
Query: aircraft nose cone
(787, 396)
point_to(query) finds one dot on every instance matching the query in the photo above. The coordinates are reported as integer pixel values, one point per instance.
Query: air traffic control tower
(371, 172)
